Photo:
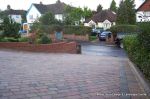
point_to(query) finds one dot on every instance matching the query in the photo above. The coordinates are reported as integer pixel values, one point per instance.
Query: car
(102, 36)
(22, 31)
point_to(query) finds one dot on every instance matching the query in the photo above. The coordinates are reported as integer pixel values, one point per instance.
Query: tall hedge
(124, 28)
(138, 48)
(77, 30)
(144, 36)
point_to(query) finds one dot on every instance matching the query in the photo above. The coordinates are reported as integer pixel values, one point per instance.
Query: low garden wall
(77, 37)
(72, 37)
(61, 47)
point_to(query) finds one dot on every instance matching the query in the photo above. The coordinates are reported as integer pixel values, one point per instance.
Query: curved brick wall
(61, 47)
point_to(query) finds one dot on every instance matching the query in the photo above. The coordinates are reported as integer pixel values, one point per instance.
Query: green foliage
(44, 40)
(2, 14)
(99, 8)
(48, 19)
(8, 39)
(124, 29)
(138, 48)
(87, 13)
(10, 28)
(67, 29)
(77, 30)
(92, 38)
(113, 6)
(126, 12)
(138, 54)
(144, 36)
(23, 39)
(23, 16)
(72, 15)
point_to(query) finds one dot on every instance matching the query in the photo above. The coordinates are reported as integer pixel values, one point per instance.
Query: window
(31, 17)
(147, 13)
(17, 16)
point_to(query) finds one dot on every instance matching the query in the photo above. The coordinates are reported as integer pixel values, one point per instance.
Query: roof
(57, 8)
(102, 16)
(14, 12)
(41, 8)
(145, 6)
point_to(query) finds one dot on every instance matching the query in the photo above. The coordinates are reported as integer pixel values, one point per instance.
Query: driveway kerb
(140, 77)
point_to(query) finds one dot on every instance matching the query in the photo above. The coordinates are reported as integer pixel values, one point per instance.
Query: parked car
(22, 31)
(103, 35)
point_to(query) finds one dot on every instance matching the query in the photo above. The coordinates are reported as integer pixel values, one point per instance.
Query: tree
(72, 15)
(113, 6)
(130, 10)
(47, 19)
(87, 13)
(126, 12)
(10, 28)
(121, 13)
(2, 15)
(24, 17)
(99, 8)
(76, 14)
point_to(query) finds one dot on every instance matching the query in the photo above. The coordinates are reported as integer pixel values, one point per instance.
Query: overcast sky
(92, 4)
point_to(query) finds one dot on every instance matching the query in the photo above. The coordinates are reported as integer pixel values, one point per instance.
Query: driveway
(102, 49)
(25, 75)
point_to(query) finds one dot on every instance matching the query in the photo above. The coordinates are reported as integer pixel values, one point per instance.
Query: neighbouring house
(37, 10)
(104, 19)
(15, 15)
(143, 12)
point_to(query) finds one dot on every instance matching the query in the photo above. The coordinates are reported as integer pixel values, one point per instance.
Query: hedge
(124, 29)
(77, 30)
(138, 54)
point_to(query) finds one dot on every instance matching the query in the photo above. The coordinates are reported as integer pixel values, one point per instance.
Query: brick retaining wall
(72, 37)
(61, 47)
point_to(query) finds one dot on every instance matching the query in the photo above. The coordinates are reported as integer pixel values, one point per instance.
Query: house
(104, 19)
(143, 12)
(37, 10)
(15, 15)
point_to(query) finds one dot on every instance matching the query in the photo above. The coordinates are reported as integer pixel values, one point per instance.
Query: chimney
(8, 7)
(58, 1)
(41, 2)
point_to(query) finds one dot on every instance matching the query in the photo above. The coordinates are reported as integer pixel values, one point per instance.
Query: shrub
(23, 39)
(10, 28)
(92, 38)
(77, 30)
(9, 39)
(44, 40)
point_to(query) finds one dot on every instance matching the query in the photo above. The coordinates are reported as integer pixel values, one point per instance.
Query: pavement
(105, 74)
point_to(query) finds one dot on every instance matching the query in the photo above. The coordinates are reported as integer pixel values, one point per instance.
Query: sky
(92, 4)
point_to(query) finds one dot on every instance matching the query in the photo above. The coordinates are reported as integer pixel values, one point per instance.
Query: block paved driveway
(25, 75)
